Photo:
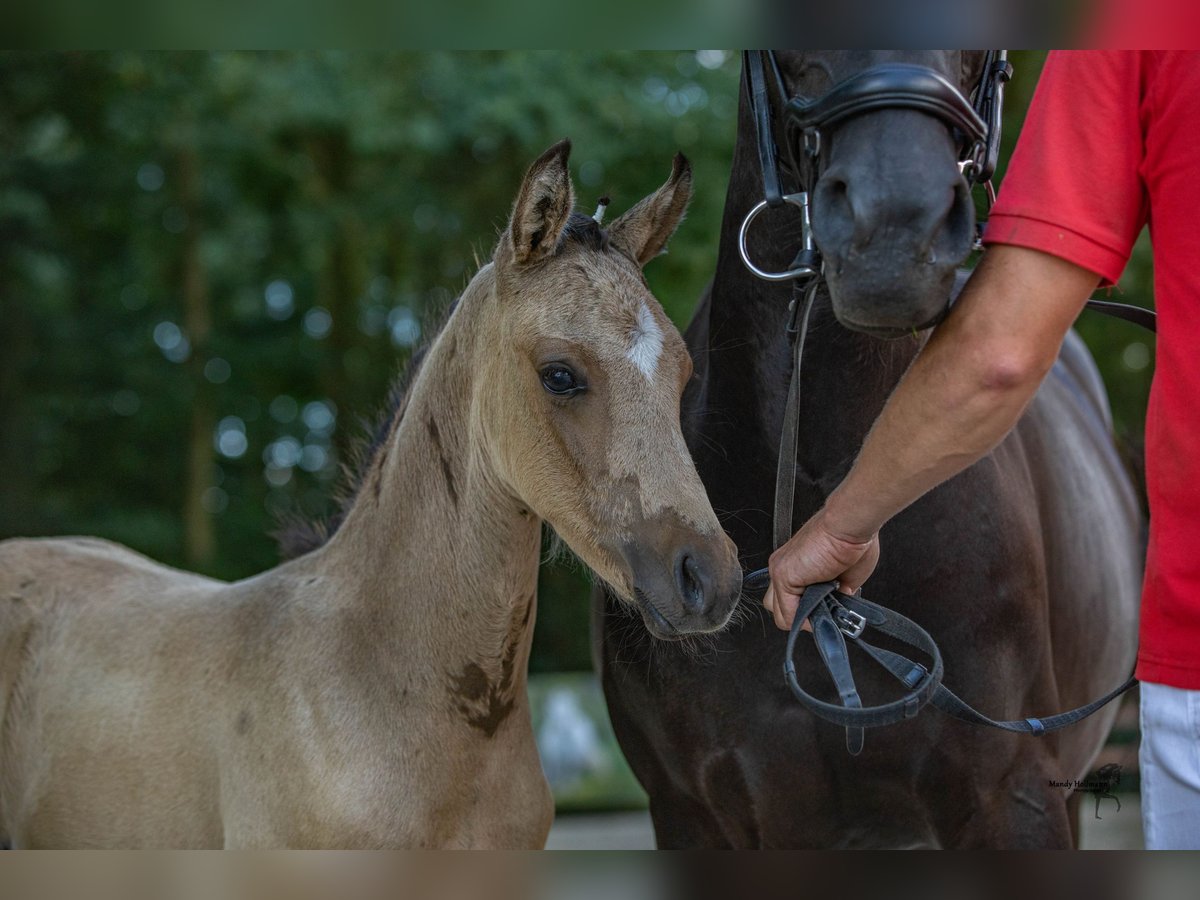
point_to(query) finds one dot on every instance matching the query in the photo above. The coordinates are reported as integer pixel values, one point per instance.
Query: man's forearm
(966, 389)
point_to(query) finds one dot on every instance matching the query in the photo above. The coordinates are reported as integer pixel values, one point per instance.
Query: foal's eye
(560, 381)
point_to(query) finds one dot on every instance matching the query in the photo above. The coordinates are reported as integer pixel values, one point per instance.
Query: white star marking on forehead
(646, 342)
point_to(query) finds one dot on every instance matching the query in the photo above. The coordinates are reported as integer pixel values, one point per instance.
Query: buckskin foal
(372, 692)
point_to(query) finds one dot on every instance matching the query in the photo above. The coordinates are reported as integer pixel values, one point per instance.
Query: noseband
(889, 86)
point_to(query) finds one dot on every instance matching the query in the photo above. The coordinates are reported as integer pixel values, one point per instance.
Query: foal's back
(148, 707)
(82, 623)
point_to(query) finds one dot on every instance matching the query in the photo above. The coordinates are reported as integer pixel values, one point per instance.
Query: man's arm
(961, 396)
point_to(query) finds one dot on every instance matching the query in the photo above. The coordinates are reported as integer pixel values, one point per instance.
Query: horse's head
(583, 389)
(891, 211)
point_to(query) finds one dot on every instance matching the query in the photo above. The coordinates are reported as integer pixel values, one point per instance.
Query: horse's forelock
(584, 230)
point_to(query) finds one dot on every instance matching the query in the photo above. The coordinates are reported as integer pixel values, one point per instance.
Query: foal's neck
(443, 558)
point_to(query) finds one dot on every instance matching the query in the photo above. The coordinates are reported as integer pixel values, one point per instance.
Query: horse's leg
(1024, 812)
(681, 823)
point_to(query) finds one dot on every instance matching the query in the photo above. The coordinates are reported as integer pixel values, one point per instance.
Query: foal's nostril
(690, 580)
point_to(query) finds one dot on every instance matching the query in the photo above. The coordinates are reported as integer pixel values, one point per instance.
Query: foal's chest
(437, 794)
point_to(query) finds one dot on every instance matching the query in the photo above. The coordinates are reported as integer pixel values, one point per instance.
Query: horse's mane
(297, 535)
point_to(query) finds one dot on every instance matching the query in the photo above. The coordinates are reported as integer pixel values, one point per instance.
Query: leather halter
(835, 616)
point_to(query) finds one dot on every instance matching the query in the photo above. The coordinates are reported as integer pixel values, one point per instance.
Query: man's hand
(812, 555)
(962, 394)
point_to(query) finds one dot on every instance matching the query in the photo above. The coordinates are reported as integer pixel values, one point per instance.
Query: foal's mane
(297, 535)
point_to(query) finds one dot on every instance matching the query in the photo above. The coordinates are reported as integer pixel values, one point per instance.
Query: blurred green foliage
(212, 264)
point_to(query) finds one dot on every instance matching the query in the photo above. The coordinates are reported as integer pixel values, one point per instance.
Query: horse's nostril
(833, 215)
(690, 579)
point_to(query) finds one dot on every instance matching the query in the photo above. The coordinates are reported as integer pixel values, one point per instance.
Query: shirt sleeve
(1074, 187)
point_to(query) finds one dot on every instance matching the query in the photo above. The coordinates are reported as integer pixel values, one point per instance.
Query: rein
(838, 617)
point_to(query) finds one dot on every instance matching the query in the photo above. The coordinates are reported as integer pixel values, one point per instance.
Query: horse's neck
(438, 556)
(847, 376)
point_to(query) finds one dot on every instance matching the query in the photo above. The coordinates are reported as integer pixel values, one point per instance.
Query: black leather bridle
(838, 617)
(974, 122)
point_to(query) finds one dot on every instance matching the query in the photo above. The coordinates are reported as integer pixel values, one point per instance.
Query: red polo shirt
(1112, 143)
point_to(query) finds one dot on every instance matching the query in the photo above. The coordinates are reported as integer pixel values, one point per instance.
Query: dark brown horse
(1025, 568)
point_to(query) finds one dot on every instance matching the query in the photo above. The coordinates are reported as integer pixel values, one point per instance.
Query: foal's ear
(643, 232)
(543, 207)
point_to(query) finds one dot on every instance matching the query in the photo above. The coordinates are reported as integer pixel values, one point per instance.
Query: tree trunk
(199, 542)
(18, 514)
(342, 278)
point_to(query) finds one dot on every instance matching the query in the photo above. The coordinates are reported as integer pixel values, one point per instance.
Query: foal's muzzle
(687, 584)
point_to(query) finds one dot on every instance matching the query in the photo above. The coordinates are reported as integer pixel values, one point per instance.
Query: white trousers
(1170, 767)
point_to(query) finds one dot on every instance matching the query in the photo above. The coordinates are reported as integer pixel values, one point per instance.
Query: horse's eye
(560, 381)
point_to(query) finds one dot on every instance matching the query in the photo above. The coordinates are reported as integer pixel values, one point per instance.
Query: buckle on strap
(850, 623)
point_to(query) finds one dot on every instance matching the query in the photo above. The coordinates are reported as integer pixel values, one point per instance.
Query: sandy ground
(1116, 830)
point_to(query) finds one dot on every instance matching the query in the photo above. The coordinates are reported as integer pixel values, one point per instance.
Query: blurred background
(213, 264)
